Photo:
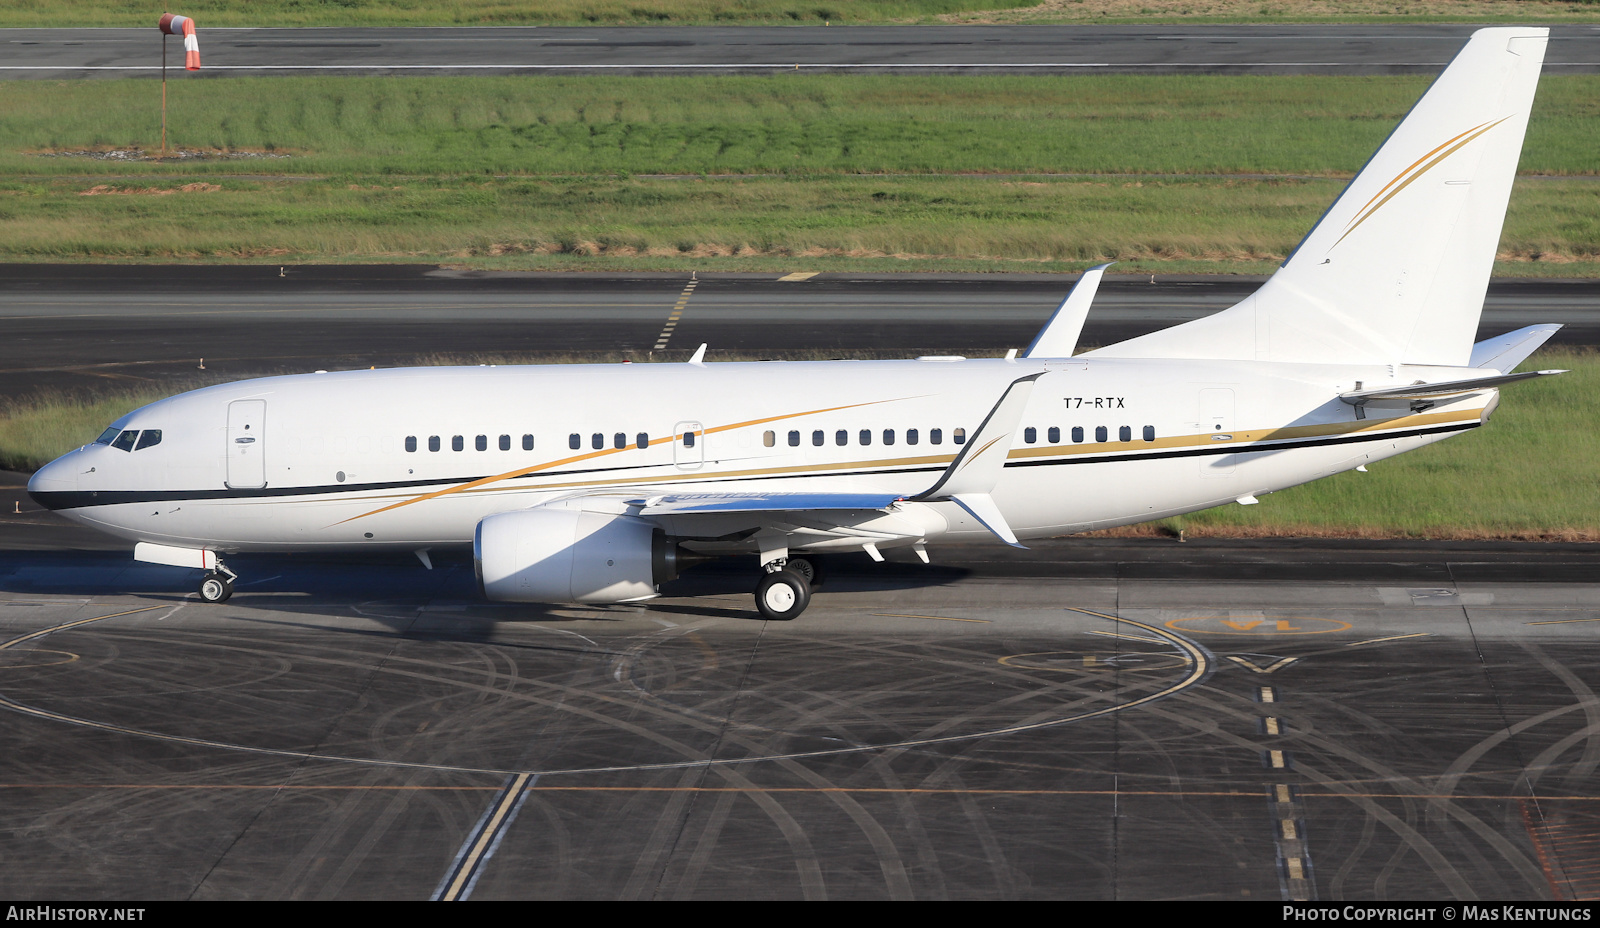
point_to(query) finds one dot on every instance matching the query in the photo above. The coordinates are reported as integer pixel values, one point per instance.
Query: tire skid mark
(1438, 805)
(1582, 772)
(1406, 829)
(645, 880)
(1200, 668)
(705, 845)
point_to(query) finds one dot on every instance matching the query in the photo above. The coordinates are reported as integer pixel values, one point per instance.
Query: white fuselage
(321, 461)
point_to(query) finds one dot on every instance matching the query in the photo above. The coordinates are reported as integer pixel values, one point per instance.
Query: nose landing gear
(217, 585)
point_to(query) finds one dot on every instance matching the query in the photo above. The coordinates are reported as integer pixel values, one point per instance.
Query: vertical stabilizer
(1397, 269)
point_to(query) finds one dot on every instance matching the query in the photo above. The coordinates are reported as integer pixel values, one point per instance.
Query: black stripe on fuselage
(1248, 449)
(83, 499)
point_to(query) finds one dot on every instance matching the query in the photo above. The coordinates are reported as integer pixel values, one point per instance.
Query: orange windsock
(173, 24)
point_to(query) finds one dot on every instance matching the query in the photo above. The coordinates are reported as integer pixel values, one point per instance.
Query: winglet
(1059, 337)
(972, 476)
(699, 358)
(981, 507)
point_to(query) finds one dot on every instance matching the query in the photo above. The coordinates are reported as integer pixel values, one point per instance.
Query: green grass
(555, 172)
(784, 123)
(1476, 485)
(759, 224)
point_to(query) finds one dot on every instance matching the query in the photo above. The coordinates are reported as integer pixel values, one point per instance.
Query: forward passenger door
(247, 433)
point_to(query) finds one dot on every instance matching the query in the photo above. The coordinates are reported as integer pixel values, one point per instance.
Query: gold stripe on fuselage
(603, 452)
(1242, 441)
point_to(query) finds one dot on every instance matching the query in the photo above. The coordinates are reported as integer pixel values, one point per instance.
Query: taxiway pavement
(1097, 719)
(1387, 48)
(70, 327)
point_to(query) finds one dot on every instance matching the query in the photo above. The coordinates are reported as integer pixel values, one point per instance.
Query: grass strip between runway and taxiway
(1529, 474)
(256, 13)
(1220, 174)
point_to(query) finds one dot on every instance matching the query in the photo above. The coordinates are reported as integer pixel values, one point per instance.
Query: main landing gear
(217, 585)
(785, 591)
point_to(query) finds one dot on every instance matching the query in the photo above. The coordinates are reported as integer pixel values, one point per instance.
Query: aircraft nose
(50, 482)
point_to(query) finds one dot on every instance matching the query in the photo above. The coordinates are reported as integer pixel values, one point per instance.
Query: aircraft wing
(692, 503)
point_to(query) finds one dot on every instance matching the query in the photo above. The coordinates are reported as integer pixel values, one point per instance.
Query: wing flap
(691, 503)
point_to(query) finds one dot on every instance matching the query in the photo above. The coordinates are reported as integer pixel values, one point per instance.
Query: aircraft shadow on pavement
(394, 589)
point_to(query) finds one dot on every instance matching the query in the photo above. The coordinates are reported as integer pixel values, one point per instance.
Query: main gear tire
(781, 596)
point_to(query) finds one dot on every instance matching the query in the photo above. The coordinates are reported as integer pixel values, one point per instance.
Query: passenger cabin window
(1077, 433)
(888, 436)
(959, 436)
(505, 442)
(1149, 433)
(816, 438)
(911, 436)
(597, 441)
(936, 436)
(866, 436)
(481, 443)
(688, 439)
(1054, 435)
(619, 441)
(411, 443)
(769, 439)
(108, 436)
(433, 443)
(1100, 433)
(575, 441)
(794, 439)
(457, 443)
(841, 437)
(148, 438)
(641, 441)
(1124, 434)
(527, 443)
(125, 441)
(1030, 435)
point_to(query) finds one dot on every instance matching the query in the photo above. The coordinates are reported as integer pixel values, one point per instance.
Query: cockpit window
(107, 436)
(125, 441)
(147, 438)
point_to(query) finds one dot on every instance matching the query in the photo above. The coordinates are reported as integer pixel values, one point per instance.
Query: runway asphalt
(151, 324)
(1388, 48)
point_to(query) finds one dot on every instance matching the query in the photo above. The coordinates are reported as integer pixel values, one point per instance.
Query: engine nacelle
(554, 554)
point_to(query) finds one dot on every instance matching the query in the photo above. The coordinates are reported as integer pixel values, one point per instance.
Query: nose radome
(59, 476)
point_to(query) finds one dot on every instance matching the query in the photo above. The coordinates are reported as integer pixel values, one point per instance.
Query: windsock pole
(163, 95)
(172, 24)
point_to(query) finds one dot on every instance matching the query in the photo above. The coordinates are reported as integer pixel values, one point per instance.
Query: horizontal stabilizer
(1059, 337)
(1509, 350)
(683, 504)
(1436, 391)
